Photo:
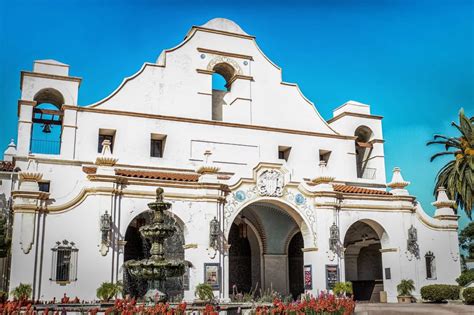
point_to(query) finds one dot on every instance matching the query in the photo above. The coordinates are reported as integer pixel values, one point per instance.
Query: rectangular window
(430, 266)
(156, 149)
(284, 153)
(388, 274)
(157, 145)
(64, 264)
(106, 134)
(324, 156)
(44, 186)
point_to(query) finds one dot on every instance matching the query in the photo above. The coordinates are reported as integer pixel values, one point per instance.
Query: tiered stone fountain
(156, 269)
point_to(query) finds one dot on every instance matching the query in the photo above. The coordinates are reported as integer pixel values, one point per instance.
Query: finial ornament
(442, 200)
(323, 177)
(105, 158)
(207, 167)
(159, 194)
(397, 180)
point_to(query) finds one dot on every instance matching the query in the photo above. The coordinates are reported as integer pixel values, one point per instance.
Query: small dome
(225, 25)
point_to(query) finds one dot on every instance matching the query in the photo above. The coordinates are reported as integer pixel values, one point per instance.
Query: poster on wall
(308, 277)
(212, 275)
(332, 276)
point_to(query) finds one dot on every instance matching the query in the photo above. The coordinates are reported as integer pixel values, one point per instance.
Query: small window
(284, 153)
(44, 186)
(106, 134)
(156, 149)
(157, 145)
(324, 156)
(388, 274)
(430, 266)
(64, 264)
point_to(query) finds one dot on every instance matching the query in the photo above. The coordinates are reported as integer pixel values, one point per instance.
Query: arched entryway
(138, 248)
(266, 250)
(363, 260)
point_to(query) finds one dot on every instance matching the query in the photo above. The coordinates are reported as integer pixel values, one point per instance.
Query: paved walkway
(414, 308)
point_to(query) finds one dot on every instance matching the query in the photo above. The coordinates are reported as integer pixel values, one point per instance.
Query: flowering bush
(129, 307)
(323, 304)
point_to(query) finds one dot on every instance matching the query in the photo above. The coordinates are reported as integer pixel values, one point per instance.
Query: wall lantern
(412, 242)
(334, 243)
(214, 232)
(105, 228)
(242, 228)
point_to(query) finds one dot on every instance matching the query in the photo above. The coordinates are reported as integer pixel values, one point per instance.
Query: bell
(47, 128)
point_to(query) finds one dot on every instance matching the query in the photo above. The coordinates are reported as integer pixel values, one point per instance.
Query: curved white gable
(178, 85)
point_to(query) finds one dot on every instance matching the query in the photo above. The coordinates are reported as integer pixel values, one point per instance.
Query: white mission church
(266, 193)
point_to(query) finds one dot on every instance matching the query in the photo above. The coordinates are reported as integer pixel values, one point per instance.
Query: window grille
(430, 266)
(64, 262)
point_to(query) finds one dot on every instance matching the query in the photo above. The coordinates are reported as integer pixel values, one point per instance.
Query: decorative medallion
(270, 183)
(240, 195)
(300, 199)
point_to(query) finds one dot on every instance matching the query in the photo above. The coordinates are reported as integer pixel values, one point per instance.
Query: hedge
(465, 277)
(440, 292)
(468, 295)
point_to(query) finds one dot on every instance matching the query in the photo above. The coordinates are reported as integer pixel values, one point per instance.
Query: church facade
(266, 194)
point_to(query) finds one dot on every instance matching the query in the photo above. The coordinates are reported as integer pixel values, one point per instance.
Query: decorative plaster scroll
(221, 59)
(27, 231)
(270, 183)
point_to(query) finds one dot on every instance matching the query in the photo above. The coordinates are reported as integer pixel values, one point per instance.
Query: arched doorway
(363, 261)
(265, 240)
(295, 265)
(138, 248)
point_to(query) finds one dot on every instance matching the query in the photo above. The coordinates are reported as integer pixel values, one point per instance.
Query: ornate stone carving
(270, 183)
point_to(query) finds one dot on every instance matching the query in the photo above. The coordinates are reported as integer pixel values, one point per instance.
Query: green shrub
(343, 288)
(440, 292)
(468, 295)
(204, 292)
(108, 290)
(405, 287)
(465, 277)
(22, 291)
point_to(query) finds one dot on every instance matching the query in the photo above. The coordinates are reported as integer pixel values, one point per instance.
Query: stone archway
(281, 240)
(138, 248)
(363, 260)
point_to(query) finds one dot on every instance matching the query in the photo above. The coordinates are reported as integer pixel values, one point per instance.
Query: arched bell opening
(363, 149)
(47, 122)
(221, 85)
(137, 248)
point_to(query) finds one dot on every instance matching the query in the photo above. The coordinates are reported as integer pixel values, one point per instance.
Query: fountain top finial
(159, 194)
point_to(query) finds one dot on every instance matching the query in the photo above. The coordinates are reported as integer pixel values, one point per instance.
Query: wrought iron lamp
(105, 228)
(334, 242)
(412, 242)
(214, 232)
(242, 228)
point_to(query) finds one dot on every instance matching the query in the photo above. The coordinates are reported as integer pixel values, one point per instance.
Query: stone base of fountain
(155, 296)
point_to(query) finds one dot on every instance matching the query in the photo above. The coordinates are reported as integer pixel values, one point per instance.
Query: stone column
(25, 125)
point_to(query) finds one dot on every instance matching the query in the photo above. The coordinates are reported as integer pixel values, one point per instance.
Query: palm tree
(457, 176)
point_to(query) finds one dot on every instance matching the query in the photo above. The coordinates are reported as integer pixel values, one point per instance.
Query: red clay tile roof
(180, 177)
(359, 190)
(6, 166)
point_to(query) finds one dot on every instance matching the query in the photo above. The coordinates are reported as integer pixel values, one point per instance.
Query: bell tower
(46, 110)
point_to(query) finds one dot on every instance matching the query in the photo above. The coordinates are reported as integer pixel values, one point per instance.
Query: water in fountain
(155, 268)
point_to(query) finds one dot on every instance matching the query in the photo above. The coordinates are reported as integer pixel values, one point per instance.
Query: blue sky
(412, 61)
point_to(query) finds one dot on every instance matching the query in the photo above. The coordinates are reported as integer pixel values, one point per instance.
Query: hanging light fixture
(46, 128)
(242, 228)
